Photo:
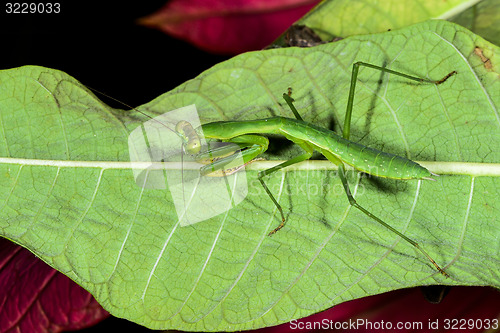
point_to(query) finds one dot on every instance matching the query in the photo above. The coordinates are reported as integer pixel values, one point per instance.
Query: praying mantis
(339, 150)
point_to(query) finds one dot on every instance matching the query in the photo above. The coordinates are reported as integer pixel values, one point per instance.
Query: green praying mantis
(248, 136)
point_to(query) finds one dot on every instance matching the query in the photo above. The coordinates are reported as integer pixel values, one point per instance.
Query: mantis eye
(193, 146)
(189, 135)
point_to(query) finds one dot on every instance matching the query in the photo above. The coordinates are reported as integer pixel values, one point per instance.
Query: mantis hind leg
(354, 203)
(346, 133)
(354, 78)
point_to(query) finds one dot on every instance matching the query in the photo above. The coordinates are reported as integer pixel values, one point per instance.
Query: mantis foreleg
(251, 145)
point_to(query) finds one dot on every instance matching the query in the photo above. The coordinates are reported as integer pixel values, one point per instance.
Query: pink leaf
(228, 26)
(36, 298)
(407, 307)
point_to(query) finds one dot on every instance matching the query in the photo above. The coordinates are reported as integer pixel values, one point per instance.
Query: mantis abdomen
(366, 159)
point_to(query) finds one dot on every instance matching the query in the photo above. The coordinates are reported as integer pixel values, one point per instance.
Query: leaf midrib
(439, 167)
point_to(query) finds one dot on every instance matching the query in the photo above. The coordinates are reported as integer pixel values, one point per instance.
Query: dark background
(100, 45)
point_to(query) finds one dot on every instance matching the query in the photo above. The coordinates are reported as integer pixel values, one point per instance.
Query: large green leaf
(67, 192)
(353, 17)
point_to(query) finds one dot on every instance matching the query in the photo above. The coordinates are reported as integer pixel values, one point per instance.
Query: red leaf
(36, 298)
(228, 26)
(382, 313)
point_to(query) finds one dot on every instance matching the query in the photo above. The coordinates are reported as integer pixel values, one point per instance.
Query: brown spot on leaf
(486, 61)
